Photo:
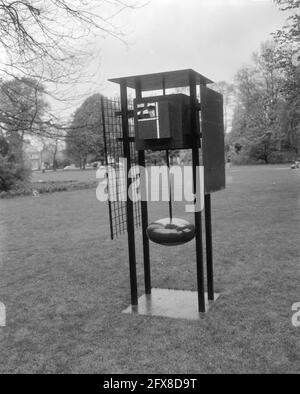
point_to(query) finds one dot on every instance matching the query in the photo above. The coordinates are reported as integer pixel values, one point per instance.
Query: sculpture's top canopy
(167, 80)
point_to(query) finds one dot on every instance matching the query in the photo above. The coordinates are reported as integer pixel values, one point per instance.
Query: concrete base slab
(177, 304)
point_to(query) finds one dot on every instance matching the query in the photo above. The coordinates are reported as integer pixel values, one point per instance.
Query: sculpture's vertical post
(209, 253)
(129, 203)
(198, 217)
(144, 210)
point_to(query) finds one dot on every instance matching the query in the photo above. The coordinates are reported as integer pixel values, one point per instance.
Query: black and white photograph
(149, 190)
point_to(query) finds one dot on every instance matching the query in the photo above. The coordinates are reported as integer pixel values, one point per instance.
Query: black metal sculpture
(168, 122)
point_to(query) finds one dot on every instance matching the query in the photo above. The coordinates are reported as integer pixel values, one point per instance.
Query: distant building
(41, 155)
(33, 157)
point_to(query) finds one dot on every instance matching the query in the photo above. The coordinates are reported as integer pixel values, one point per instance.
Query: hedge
(37, 188)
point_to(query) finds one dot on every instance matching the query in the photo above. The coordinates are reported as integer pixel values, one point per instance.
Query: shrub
(275, 157)
(63, 163)
(242, 158)
(11, 173)
(28, 188)
(282, 157)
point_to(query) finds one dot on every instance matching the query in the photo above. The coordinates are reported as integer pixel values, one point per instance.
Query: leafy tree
(85, 136)
(267, 114)
(248, 126)
(261, 114)
(50, 149)
(288, 59)
(21, 113)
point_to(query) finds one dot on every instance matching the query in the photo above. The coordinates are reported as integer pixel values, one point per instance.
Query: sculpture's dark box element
(163, 122)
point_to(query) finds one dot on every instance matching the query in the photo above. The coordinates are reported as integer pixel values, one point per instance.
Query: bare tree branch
(42, 46)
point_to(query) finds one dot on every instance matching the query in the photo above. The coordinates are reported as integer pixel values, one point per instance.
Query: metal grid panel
(114, 157)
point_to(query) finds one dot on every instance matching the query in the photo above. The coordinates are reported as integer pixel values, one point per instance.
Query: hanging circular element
(171, 232)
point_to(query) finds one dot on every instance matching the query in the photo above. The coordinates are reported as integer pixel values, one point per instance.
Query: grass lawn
(65, 175)
(64, 284)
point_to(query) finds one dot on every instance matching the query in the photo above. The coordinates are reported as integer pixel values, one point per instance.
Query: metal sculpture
(166, 122)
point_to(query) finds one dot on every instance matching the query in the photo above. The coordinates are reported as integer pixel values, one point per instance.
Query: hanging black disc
(171, 232)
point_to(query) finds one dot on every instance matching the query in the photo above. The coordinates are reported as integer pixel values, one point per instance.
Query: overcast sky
(214, 37)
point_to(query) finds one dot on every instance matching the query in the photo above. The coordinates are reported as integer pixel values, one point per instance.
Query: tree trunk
(266, 154)
(54, 158)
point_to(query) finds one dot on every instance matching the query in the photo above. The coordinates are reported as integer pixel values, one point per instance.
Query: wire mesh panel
(117, 165)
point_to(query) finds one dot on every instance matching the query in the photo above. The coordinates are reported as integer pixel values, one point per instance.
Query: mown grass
(64, 284)
(35, 189)
(64, 175)
(53, 181)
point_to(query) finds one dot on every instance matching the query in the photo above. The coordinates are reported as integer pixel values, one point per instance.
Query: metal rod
(168, 159)
(209, 253)
(144, 211)
(146, 247)
(164, 85)
(129, 203)
(169, 185)
(197, 215)
(106, 163)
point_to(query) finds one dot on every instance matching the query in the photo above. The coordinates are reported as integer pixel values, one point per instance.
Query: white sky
(214, 37)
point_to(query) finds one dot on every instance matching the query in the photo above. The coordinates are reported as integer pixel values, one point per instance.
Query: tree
(266, 118)
(291, 30)
(85, 135)
(50, 42)
(288, 54)
(45, 39)
(247, 125)
(44, 44)
(22, 104)
(259, 122)
(50, 149)
(22, 107)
